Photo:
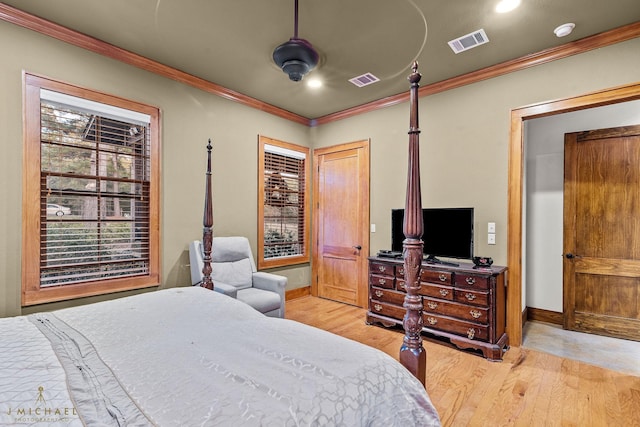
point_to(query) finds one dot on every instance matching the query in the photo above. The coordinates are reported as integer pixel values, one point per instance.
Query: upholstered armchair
(234, 274)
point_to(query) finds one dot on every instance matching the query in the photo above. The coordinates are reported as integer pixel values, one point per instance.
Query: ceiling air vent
(469, 41)
(364, 80)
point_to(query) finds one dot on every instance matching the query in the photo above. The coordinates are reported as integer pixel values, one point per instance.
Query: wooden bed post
(207, 222)
(412, 353)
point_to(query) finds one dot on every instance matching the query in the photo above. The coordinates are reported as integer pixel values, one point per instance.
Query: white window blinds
(284, 202)
(94, 191)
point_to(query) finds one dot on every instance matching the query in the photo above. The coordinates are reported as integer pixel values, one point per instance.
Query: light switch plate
(491, 239)
(491, 227)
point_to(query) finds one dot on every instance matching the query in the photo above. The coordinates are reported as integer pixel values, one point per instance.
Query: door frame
(363, 179)
(515, 189)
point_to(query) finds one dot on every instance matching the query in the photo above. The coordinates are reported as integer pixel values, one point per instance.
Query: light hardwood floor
(528, 388)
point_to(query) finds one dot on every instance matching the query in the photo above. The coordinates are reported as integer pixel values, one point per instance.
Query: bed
(189, 356)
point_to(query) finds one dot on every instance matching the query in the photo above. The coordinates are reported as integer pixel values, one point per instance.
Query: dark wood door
(341, 223)
(602, 232)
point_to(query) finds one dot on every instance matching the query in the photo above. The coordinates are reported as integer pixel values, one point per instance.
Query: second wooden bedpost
(207, 222)
(412, 353)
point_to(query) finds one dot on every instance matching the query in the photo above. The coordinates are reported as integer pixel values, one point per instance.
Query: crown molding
(596, 41)
(48, 28)
(56, 31)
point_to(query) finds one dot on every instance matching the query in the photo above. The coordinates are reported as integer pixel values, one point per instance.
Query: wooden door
(602, 232)
(341, 223)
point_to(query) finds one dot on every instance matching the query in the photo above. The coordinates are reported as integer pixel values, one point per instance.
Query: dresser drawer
(382, 269)
(385, 309)
(454, 309)
(402, 286)
(436, 291)
(471, 281)
(441, 277)
(386, 295)
(472, 331)
(381, 281)
(469, 296)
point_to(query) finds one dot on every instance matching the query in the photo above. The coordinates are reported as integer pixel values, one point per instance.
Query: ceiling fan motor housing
(296, 57)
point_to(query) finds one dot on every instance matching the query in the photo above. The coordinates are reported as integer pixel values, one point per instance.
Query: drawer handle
(469, 296)
(382, 281)
(471, 280)
(444, 292)
(401, 272)
(471, 333)
(442, 277)
(432, 305)
(381, 267)
(379, 293)
(432, 320)
(377, 307)
(402, 285)
(475, 314)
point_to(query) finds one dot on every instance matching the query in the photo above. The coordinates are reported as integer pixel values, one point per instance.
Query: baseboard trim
(297, 293)
(542, 315)
(525, 315)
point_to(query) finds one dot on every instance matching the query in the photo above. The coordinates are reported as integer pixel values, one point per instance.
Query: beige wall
(463, 145)
(465, 137)
(189, 118)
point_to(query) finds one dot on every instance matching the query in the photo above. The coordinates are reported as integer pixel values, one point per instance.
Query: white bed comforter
(192, 357)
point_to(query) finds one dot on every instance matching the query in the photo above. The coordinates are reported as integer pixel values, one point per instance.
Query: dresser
(462, 304)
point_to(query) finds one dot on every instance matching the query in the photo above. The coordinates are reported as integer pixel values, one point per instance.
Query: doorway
(341, 223)
(516, 253)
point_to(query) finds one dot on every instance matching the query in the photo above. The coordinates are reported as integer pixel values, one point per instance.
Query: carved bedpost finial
(415, 76)
(207, 222)
(412, 354)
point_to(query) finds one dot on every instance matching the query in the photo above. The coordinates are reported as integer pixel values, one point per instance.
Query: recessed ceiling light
(314, 83)
(507, 5)
(564, 29)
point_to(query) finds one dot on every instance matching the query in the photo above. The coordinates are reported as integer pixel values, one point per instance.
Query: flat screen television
(448, 232)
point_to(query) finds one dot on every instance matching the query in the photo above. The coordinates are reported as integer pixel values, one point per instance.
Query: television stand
(430, 259)
(463, 305)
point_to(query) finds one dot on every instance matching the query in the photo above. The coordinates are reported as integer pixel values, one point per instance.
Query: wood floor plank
(475, 394)
(629, 399)
(528, 388)
(571, 415)
(459, 387)
(484, 398)
(610, 399)
(547, 368)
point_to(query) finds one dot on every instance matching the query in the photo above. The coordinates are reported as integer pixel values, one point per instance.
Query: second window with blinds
(283, 203)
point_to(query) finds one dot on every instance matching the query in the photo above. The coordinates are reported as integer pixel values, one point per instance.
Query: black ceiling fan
(297, 56)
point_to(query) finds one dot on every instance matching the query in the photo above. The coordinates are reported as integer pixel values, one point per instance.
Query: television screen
(448, 232)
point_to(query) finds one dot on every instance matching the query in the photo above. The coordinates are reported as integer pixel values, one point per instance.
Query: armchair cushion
(261, 300)
(235, 273)
(229, 249)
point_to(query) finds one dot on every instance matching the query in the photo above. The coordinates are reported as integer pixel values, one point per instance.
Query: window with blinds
(97, 200)
(283, 231)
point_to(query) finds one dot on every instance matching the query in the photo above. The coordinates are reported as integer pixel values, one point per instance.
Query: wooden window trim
(32, 293)
(292, 260)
